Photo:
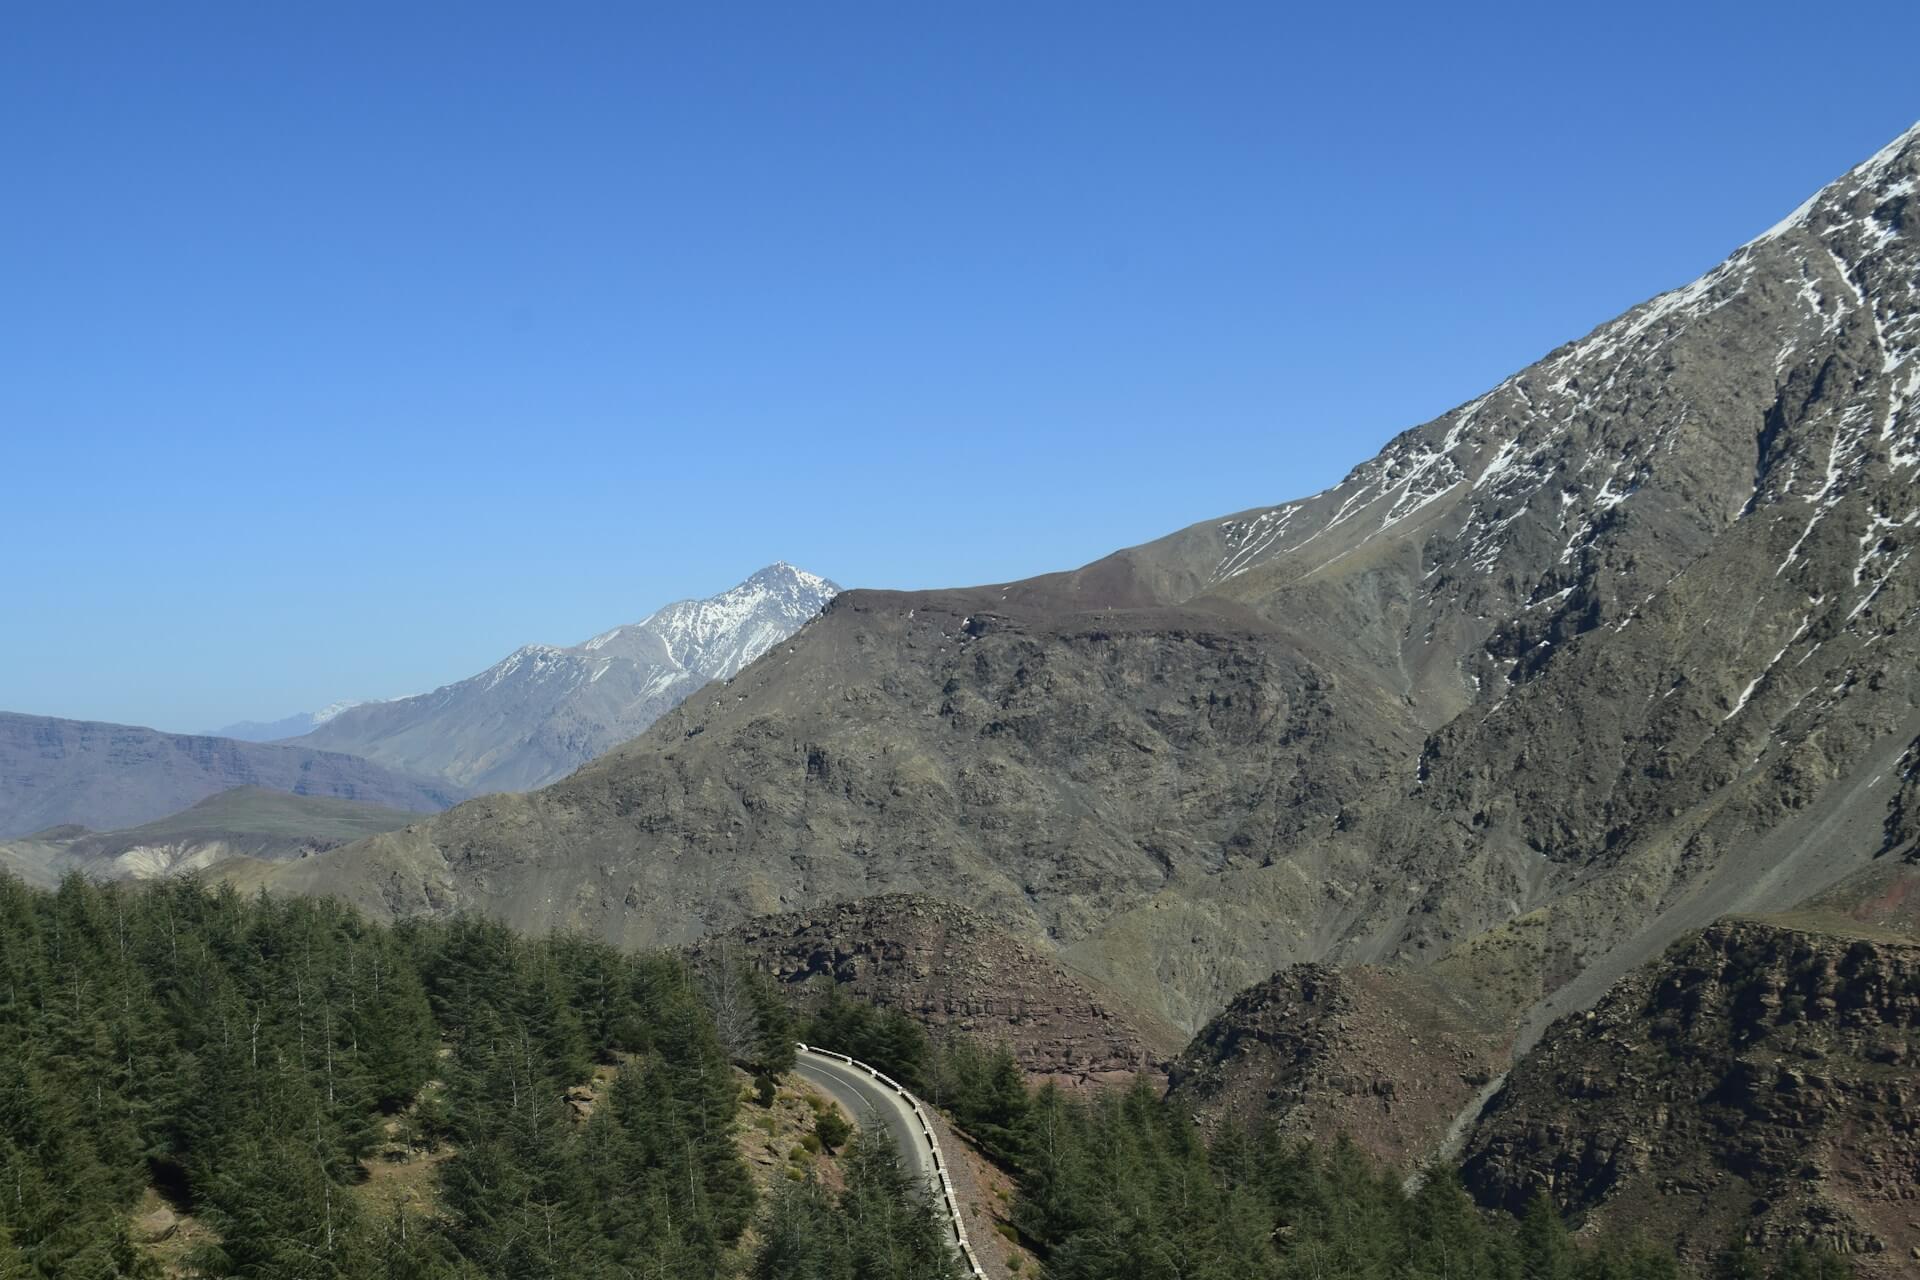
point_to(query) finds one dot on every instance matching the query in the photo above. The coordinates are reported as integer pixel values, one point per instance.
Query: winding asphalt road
(868, 1100)
(864, 1099)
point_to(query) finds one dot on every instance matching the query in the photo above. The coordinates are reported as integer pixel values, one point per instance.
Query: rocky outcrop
(953, 971)
(1388, 1057)
(1759, 1081)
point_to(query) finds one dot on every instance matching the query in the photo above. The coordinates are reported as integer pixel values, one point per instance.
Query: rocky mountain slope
(542, 712)
(954, 971)
(1049, 771)
(246, 822)
(1388, 1057)
(1614, 649)
(110, 776)
(1756, 1082)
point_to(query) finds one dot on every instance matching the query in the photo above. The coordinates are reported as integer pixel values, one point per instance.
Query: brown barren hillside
(1619, 647)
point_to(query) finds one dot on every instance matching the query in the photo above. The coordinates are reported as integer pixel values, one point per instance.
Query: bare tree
(723, 982)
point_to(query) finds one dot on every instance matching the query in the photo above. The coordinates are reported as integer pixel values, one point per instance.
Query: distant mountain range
(533, 717)
(542, 712)
(245, 822)
(110, 776)
(280, 730)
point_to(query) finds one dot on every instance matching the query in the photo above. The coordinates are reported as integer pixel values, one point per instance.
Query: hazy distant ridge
(108, 776)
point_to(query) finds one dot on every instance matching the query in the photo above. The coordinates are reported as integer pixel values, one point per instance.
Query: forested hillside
(243, 1056)
(1123, 1186)
(1120, 1185)
(250, 1061)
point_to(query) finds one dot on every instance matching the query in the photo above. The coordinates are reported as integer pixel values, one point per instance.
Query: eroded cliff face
(1760, 1080)
(1387, 1057)
(955, 972)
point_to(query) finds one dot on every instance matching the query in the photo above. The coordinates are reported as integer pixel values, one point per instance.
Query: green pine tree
(1546, 1252)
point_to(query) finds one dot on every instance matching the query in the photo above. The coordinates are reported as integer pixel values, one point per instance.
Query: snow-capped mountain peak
(544, 710)
(333, 709)
(719, 635)
(1572, 492)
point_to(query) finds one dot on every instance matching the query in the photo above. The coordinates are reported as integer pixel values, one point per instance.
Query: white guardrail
(933, 1145)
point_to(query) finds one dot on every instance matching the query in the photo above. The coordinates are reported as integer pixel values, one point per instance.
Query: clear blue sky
(342, 349)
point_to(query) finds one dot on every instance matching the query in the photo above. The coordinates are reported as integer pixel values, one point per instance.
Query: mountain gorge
(1616, 648)
(542, 711)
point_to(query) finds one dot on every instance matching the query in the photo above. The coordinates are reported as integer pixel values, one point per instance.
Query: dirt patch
(985, 1192)
(166, 1235)
(778, 1142)
(403, 1177)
